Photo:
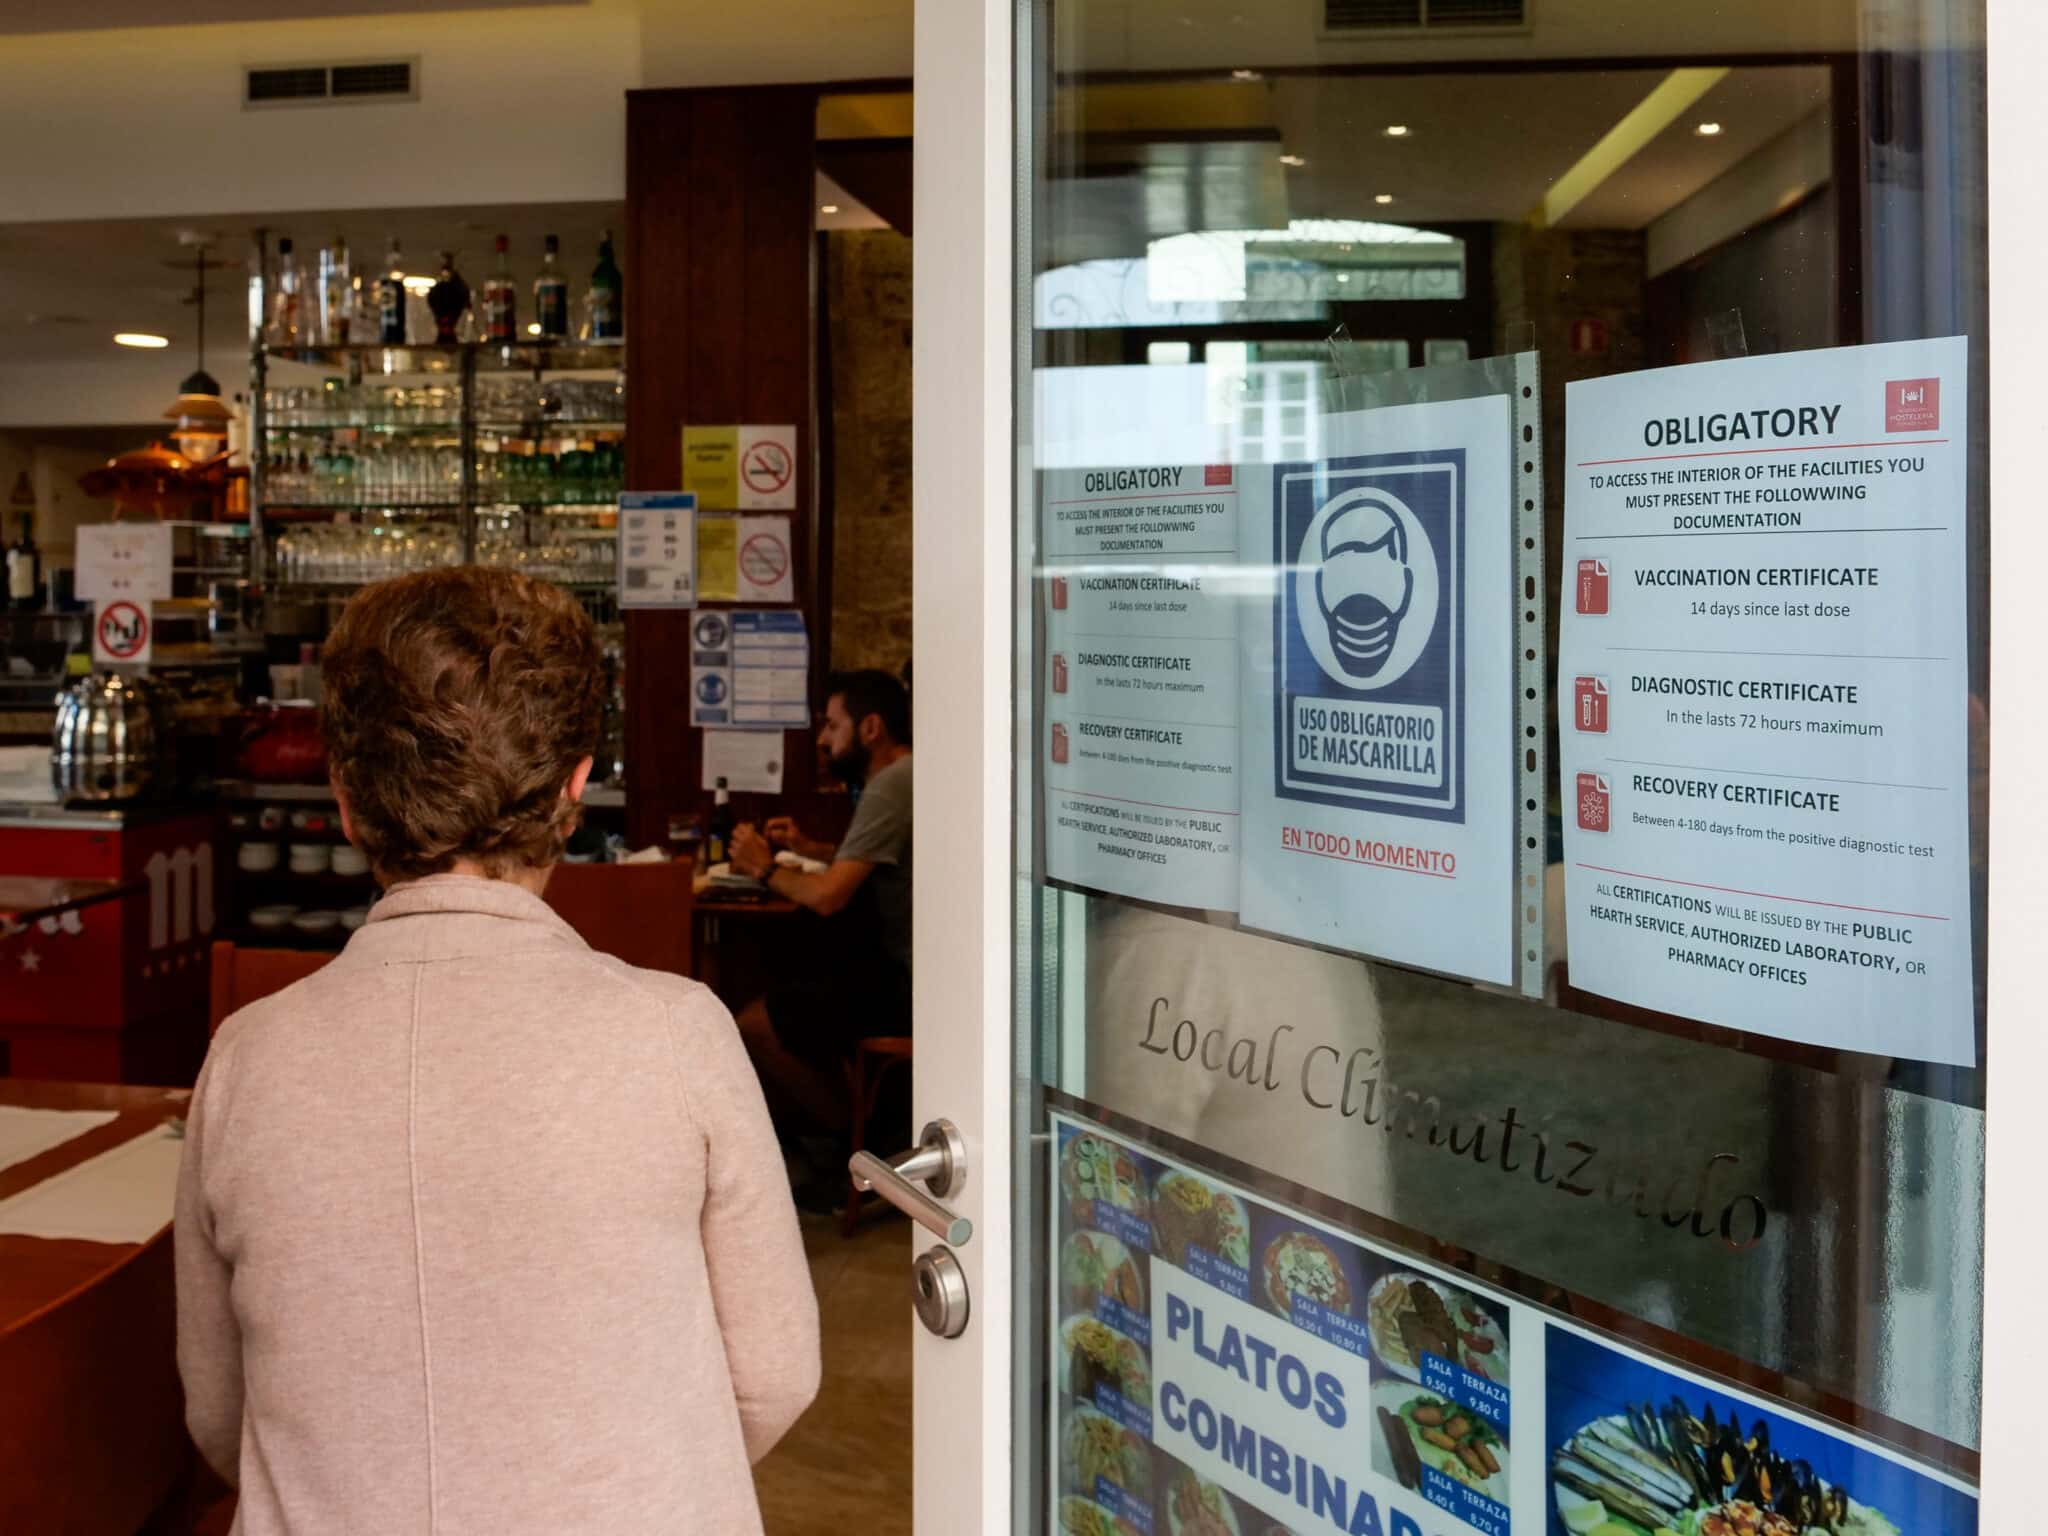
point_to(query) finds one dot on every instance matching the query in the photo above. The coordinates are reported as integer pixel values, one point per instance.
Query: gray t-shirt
(880, 835)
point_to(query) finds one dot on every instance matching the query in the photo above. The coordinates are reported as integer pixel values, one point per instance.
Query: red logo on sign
(1595, 803)
(766, 467)
(1912, 405)
(1216, 474)
(1059, 593)
(1590, 710)
(1592, 586)
(124, 631)
(1059, 743)
(1059, 673)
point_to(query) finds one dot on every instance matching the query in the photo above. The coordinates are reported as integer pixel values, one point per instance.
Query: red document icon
(1059, 743)
(1595, 803)
(1059, 593)
(1590, 709)
(1592, 586)
(1059, 673)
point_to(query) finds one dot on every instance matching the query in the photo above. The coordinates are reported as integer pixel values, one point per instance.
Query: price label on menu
(1126, 1413)
(1332, 1327)
(1133, 1325)
(1119, 1223)
(1119, 1502)
(1475, 1509)
(1225, 1276)
(1446, 1378)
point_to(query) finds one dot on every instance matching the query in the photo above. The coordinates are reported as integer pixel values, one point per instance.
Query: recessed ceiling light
(533, 327)
(140, 339)
(1383, 198)
(1293, 160)
(1244, 74)
(828, 207)
(1397, 130)
(1708, 130)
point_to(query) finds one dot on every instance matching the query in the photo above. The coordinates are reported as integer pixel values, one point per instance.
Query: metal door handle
(940, 1161)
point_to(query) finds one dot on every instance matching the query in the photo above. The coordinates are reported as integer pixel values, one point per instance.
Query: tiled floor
(846, 1465)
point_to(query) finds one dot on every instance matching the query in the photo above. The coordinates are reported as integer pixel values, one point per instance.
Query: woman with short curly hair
(477, 1229)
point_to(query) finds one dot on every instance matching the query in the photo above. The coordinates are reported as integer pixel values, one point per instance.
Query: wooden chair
(640, 913)
(873, 1059)
(241, 976)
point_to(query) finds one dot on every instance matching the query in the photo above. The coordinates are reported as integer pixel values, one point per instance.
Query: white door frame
(963, 410)
(961, 396)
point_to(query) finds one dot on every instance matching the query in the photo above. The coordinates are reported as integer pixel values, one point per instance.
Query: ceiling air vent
(1352, 17)
(302, 85)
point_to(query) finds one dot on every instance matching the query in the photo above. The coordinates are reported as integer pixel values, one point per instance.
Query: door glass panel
(1502, 698)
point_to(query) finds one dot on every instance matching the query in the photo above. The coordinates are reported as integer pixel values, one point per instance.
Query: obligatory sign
(1378, 699)
(1140, 702)
(122, 634)
(745, 468)
(749, 669)
(657, 549)
(1764, 704)
(123, 560)
(1226, 1365)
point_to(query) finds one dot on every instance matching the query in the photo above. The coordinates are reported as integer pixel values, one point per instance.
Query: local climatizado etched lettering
(1354, 1086)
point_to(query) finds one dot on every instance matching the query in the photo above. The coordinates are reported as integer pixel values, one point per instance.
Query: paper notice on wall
(718, 559)
(766, 573)
(750, 669)
(1378, 700)
(744, 468)
(123, 560)
(1140, 734)
(657, 549)
(745, 760)
(1763, 698)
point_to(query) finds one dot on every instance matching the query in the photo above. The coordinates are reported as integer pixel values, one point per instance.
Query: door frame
(969, 154)
(962, 573)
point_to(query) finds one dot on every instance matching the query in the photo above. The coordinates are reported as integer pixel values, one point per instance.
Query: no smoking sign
(122, 634)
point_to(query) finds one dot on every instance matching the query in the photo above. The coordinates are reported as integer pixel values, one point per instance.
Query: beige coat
(481, 1233)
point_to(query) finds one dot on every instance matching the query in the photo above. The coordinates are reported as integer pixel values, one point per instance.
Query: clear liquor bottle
(501, 301)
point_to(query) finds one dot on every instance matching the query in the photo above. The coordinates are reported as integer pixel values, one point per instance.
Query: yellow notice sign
(718, 559)
(711, 466)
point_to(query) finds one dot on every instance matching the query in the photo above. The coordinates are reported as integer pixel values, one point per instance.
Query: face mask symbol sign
(1374, 590)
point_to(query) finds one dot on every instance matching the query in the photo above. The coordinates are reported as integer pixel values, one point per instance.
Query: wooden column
(720, 324)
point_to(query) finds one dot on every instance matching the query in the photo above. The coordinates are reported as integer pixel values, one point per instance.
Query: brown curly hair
(457, 703)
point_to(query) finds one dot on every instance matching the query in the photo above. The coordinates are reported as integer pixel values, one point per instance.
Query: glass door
(1501, 703)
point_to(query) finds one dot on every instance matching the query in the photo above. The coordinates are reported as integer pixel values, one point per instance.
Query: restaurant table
(92, 1434)
(736, 961)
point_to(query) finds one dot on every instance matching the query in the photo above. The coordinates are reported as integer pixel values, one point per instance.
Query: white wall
(1752, 192)
(516, 106)
(126, 387)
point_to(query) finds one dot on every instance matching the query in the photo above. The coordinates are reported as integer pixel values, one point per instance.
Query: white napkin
(123, 1196)
(27, 1133)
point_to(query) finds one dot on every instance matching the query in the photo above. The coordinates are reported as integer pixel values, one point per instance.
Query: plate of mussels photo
(1668, 1471)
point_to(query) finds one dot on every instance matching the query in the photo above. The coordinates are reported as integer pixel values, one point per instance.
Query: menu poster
(1378, 697)
(1638, 1449)
(1141, 735)
(1229, 1369)
(1763, 695)
(1225, 1367)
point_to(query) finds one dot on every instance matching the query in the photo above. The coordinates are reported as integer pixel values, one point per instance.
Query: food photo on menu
(1636, 1450)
